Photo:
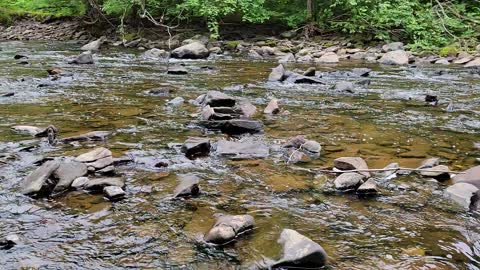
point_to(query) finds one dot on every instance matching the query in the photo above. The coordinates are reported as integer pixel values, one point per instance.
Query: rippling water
(412, 228)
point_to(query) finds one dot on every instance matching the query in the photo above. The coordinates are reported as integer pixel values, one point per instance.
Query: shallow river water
(412, 227)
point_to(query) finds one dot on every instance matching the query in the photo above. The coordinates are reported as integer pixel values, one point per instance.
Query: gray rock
(235, 126)
(277, 74)
(188, 186)
(394, 46)
(272, 107)
(194, 50)
(209, 113)
(475, 63)
(176, 102)
(9, 241)
(299, 252)
(442, 61)
(177, 70)
(442, 174)
(328, 58)
(351, 163)
(113, 193)
(368, 188)
(94, 155)
(79, 183)
(245, 108)
(300, 79)
(37, 181)
(90, 136)
(471, 176)
(310, 72)
(94, 45)
(386, 174)
(98, 184)
(246, 149)
(228, 227)
(101, 163)
(218, 99)
(155, 53)
(295, 142)
(196, 147)
(361, 72)
(107, 170)
(288, 58)
(348, 181)
(312, 146)
(344, 87)
(398, 57)
(66, 173)
(30, 130)
(464, 194)
(254, 55)
(429, 163)
(82, 59)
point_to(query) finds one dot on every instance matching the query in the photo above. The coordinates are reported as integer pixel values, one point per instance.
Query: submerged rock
(272, 107)
(114, 193)
(398, 57)
(228, 228)
(66, 173)
(299, 252)
(196, 147)
(248, 149)
(464, 194)
(348, 181)
(194, 50)
(471, 176)
(90, 136)
(277, 74)
(82, 59)
(188, 186)
(351, 163)
(37, 181)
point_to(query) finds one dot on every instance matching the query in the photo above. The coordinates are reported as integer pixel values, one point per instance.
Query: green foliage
(449, 51)
(55, 8)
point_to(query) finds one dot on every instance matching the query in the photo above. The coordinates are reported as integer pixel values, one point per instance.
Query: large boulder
(351, 163)
(228, 227)
(194, 50)
(37, 181)
(299, 252)
(248, 149)
(188, 186)
(398, 57)
(66, 173)
(471, 176)
(464, 194)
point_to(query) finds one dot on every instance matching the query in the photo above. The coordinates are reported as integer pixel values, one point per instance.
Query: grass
(40, 8)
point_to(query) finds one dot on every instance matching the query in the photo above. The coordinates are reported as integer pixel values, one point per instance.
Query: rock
(310, 72)
(94, 45)
(442, 61)
(351, 163)
(98, 184)
(31, 130)
(10, 94)
(398, 57)
(216, 50)
(101, 163)
(344, 87)
(177, 70)
(429, 163)
(475, 63)
(235, 126)
(197, 38)
(159, 92)
(312, 147)
(295, 142)
(113, 193)
(132, 43)
(194, 50)
(463, 60)
(386, 174)
(196, 147)
(94, 155)
(218, 99)
(246, 149)
(176, 102)
(394, 46)
(155, 53)
(90, 136)
(305, 59)
(107, 170)
(300, 79)
(188, 186)
(272, 107)
(471, 176)
(288, 58)
(66, 173)
(329, 58)
(36, 182)
(368, 188)
(20, 56)
(9, 241)
(228, 227)
(83, 58)
(364, 82)
(79, 183)
(442, 174)
(361, 72)
(245, 108)
(476, 145)
(254, 55)
(295, 156)
(348, 181)
(464, 194)
(277, 74)
(299, 252)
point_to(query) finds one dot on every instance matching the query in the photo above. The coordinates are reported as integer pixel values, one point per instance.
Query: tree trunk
(310, 10)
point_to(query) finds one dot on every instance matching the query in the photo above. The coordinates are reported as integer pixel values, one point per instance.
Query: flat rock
(94, 155)
(66, 173)
(228, 227)
(277, 74)
(442, 174)
(177, 70)
(351, 163)
(98, 184)
(36, 181)
(31, 130)
(299, 252)
(188, 186)
(464, 194)
(176, 102)
(90, 136)
(386, 174)
(475, 63)
(113, 193)
(218, 99)
(348, 181)
(429, 163)
(471, 176)
(248, 149)
(398, 57)
(196, 147)
(235, 126)
(101, 163)
(368, 188)
(194, 50)
(79, 183)
(272, 107)
(361, 72)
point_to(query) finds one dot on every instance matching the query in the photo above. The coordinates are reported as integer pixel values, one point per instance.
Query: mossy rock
(232, 44)
(448, 51)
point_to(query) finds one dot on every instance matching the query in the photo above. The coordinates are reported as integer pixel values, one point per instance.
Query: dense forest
(424, 24)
